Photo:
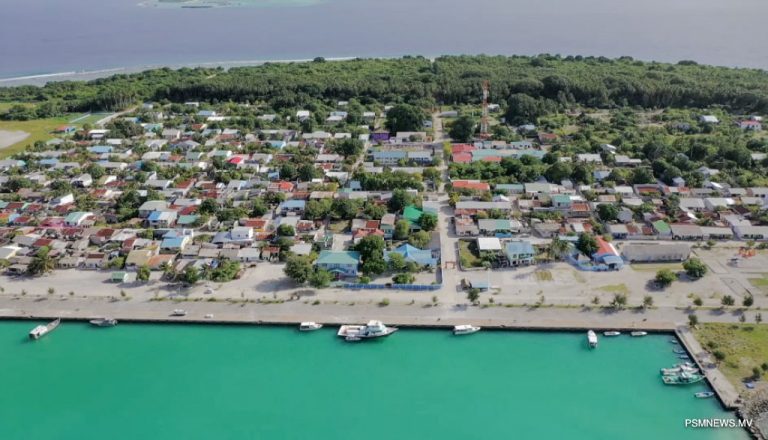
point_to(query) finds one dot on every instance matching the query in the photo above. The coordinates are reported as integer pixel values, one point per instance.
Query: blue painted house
(413, 254)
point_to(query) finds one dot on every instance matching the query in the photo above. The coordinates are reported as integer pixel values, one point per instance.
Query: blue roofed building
(292, 207)
(520, 253)
(413, 254)
(389, 157)
(101, 149)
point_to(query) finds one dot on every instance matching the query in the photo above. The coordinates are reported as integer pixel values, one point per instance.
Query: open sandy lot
(8, 138)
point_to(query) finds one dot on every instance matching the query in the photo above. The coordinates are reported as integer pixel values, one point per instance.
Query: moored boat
(682, 379)
(611, 333)
(465, 329)
(104, 322)
(679, 351)
(42, 330)
(374, 329)
(680, 368)
(309, 326)
(591, 339)
(639, 333)
(704, 394)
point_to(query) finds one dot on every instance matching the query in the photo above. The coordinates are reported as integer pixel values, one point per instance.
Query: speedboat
(611, 333)
(592, 339)
(465, 329)
(682, 379)
(639, 333)
(309, 326)
(679, 351)
(679, 368)
(179, 312)
(104, 322)
(42, 330)
(704, 394)
(374, 329)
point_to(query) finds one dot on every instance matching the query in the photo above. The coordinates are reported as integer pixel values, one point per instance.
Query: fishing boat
(309, 326)
(592, 339)
(103, 322)
(679, 368)
(42, 330)
(682, 379)
(637, 334)
(179, 312)
(465, 329)
(374, 329)
(679, 351)
(612, 333)
(684, 357)
(704, 394)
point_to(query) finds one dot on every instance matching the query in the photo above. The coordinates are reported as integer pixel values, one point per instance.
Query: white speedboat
(309, 326)
(465, 329)
(592, 339)
(179, 312)
(704, 395)
(678, 369)
(611, 333)
(374, 329)
(42, 330)
(104, 322)
(639, 334)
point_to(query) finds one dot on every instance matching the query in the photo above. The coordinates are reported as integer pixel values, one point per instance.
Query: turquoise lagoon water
(221, 382)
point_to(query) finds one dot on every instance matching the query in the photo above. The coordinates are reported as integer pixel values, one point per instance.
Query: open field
(39, 130)
(745, 347)
(655, 267)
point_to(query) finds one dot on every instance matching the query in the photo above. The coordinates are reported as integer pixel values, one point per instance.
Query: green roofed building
(413, 215)
(341, 263)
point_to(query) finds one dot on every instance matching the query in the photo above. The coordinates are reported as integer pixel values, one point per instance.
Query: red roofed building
(280, 186)
(462, 148)
(462, 158)
(472, 185)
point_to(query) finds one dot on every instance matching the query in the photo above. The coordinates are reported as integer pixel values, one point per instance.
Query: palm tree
(42, 262)
(558, 248)
(169, 271)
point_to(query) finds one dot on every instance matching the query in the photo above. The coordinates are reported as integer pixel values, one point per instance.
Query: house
(607, 254)
(498, 226)
(470, 185)
(413, 254)
(519, 253)
(292, 207)
(413, 215)
(162, 219)
(83, 181)
(488, 245)
(138, 258)
(686, 232)
(389, 157)
(387, 225)
(744, 232)
(77, 218)
(709, 119)
(341, 263)
(174, 244)
(750, 125)
(465, 226)
(150, 206)
(662, 228)
(655, 252)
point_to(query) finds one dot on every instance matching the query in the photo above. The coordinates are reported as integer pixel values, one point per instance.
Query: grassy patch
(615, 288)
(38, 129)
(338, 227)
(466, 255)
(674, 267)
(579, 277)
(543, 275)
(760, 283)
(745, 346)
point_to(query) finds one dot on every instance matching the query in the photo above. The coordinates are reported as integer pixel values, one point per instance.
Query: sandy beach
(8, 138)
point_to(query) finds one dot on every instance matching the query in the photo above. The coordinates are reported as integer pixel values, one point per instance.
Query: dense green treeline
(552, 81)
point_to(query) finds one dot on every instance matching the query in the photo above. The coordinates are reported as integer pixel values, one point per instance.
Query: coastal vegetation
(741, 348)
